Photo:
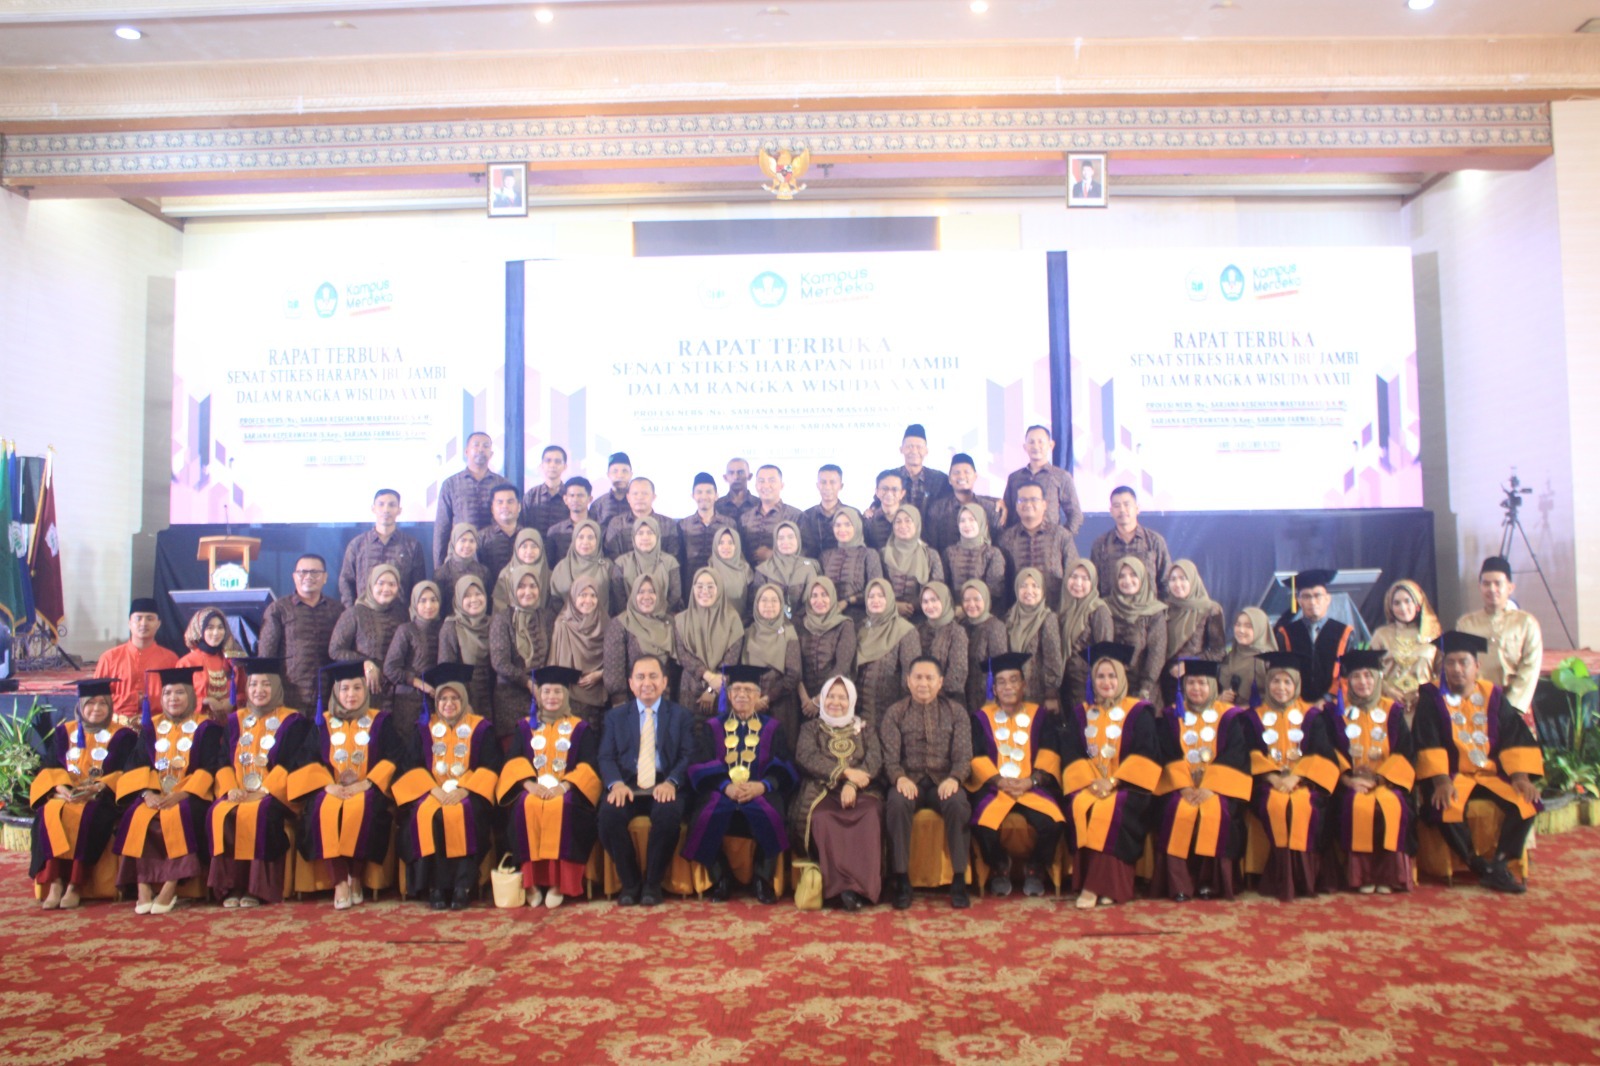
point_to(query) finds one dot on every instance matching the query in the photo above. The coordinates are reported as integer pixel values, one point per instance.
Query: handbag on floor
(807, 885)
(507, 884)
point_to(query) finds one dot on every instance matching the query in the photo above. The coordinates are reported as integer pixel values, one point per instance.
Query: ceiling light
(979, 6)
(544, 15)
(128, 33)
(1419, 5)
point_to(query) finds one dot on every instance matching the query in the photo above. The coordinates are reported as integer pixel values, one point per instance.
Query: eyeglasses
(310, 573)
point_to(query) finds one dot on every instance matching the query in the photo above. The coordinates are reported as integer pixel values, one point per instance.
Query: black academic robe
(1322, 654)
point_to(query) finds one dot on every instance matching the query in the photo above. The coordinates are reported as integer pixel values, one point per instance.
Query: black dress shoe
(958, 893)
(651, 897)
(764, 892)
(721, 889)
(629, 897)
(1495, 876)
(999, 886)
(437, 900)
(902, 892)
(849, 901)
(1033, 885)
(461, 900)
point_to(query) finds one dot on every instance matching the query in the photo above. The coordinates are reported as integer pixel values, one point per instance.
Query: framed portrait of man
(508, 190)
(1086, 180)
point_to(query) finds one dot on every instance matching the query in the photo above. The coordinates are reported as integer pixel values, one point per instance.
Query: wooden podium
(215, 551)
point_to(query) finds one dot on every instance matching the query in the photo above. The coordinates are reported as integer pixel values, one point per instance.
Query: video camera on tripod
(1515, 490)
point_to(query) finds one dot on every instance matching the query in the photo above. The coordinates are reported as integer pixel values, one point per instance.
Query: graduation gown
(715, 811)
(76, 832)
(1119, 744)
(562, 828)
(1378, 740)
(371, 749)
(1028, 731)
(1293, 820)
(160, 763)
(262, 750)
(464, 757)
(1479, 742)
(1206, 748)
(1322, 654)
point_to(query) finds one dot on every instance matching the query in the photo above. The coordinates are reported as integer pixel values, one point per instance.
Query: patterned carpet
(1447, 976)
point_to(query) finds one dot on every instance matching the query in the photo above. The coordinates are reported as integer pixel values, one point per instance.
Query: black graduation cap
(1108, 649)
(1011, 660)
(743, 674)
(347, 670)
(1455, 640)
(915, 430)
(446, 673)
(9, 684)
(557, 675)
(1362, 659)
(1311, 579)
(1201, 668)
(143, 605)
(259, 665)
(175, 675)
(1284, 660)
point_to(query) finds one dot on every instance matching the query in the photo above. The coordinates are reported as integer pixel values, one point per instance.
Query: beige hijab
(1190, 613)
(733, 575)
(1076, 613)
(708, 632)
(908, 557)
(988, 603)
(578, 640)
(879, 634)
(1141, 604)
(820, 624)
(787, 570)
(503, 589)
(766, 643)
(974, 543)
(653, 564)
(653, 631)
(1023, 622)
(573, 566)
(472, 631)
(523, 619)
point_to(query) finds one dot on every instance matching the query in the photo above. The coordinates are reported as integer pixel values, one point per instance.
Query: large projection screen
(795, 360)
(1245, 379)
(299, 393)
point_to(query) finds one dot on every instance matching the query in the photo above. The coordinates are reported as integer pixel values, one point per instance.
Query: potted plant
(1576, 767)
(19, 762)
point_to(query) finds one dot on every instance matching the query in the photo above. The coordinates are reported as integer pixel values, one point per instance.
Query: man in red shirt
(130, 663)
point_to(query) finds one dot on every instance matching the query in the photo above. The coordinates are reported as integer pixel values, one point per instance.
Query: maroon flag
(44, 560)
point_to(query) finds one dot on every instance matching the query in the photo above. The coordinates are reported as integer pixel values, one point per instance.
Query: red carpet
(1447, 976)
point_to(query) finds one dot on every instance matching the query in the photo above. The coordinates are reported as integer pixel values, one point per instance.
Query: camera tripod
(1510, 526)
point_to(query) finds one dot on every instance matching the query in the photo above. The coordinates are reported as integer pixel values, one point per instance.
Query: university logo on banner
(768, 289)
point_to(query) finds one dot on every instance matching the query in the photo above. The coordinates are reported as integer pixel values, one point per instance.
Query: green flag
(11, 605)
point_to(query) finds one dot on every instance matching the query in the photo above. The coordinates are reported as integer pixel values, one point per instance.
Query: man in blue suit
(644, 762)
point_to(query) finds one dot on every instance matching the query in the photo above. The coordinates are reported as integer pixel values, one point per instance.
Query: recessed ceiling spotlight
(544, 15)
(979, 6)
(1419, 5)
(128, 33)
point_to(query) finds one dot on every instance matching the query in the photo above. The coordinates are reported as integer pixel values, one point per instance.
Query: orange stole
(1367, 731)
(984, 768)
(198, 783)
(1092, 817)
(1199, 749)
(61, 818)
(542, 817)
(1486, 776)
(340, 819)
(232, 776)
(419, 784)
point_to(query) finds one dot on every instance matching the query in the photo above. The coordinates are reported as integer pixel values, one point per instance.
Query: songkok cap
(556, 675)
(962, 457)
(1201, 668)
(259, 665)
(97, 686)
(448, 673)
(1284, 660)
(143, 605)
(1455, 640)
(1107, 649)
(619, 457)
(1362, 659)
(703, 478)
(1496, 564)
(1011, 660)
(915, 430)
(743, 674)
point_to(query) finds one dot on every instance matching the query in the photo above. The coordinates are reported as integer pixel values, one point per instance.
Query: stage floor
(1445, 976)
